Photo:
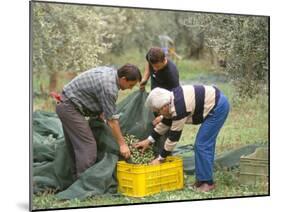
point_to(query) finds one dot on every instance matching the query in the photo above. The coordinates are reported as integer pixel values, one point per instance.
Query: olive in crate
(137, 157)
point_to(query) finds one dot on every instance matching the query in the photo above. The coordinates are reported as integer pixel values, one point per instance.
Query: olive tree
(66, 38)
(243, 43)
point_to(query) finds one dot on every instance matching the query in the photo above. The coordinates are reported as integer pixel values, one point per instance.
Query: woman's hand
(142, 85)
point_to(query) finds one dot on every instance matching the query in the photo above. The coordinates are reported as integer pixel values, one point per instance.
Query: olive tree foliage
(155, 24)
(66, 38)
(137, 28)
(246, 52)
(77, 37)
(124, 25)
(140, 29)
(189, 35)
(242, 41)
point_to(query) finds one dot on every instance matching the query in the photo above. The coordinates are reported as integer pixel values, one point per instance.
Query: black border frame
(140, 8)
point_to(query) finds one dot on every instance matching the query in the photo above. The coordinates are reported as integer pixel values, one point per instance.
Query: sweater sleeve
(161, 128)
(173, 137)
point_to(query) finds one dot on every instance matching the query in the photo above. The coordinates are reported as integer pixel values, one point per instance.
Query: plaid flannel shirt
(94, 91)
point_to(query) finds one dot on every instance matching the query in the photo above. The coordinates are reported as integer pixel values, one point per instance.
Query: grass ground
(247, 124)
(227, 186)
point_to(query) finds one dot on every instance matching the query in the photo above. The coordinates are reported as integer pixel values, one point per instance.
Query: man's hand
(157, 120)
(125, 151)
(143, 145)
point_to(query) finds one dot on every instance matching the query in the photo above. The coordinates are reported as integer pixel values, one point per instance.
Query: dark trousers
(79, 138)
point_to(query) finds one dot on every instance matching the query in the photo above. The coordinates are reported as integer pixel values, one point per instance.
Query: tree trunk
(53, 81)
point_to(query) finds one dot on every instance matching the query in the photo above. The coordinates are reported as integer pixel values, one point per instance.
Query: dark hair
(155, 55)
(131, 72)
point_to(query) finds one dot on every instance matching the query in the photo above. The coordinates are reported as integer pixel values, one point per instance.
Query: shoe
(205, 187)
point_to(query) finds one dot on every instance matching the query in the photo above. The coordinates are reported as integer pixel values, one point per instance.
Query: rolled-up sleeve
(108, 104)
(107, 98)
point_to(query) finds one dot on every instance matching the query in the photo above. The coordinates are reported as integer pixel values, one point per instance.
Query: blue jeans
(205, 142)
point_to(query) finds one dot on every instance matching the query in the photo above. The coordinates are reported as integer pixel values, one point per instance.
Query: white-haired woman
(190, 104)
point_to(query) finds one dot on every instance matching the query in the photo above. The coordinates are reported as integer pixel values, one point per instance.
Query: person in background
(93, 93)
(190, 104)
(168, 46)
(162, 72)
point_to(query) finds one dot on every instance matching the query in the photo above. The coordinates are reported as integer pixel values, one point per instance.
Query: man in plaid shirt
(93, 93)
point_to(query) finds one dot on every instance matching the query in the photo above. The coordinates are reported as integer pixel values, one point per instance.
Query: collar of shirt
(172, 108)
(117, 80)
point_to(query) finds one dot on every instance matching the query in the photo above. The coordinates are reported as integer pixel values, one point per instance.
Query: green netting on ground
(52, 164)
(51, 161)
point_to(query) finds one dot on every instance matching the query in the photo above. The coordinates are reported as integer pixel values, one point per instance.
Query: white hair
(158, 98)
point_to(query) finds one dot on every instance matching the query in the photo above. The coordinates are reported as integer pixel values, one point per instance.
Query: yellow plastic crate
(142, 180)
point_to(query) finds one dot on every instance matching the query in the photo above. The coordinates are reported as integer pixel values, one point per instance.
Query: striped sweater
(190, 104)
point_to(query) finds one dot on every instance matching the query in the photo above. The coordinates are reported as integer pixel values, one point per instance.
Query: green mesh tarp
(227, 160)
(135, 119)
(52, 164)
(51, 161)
